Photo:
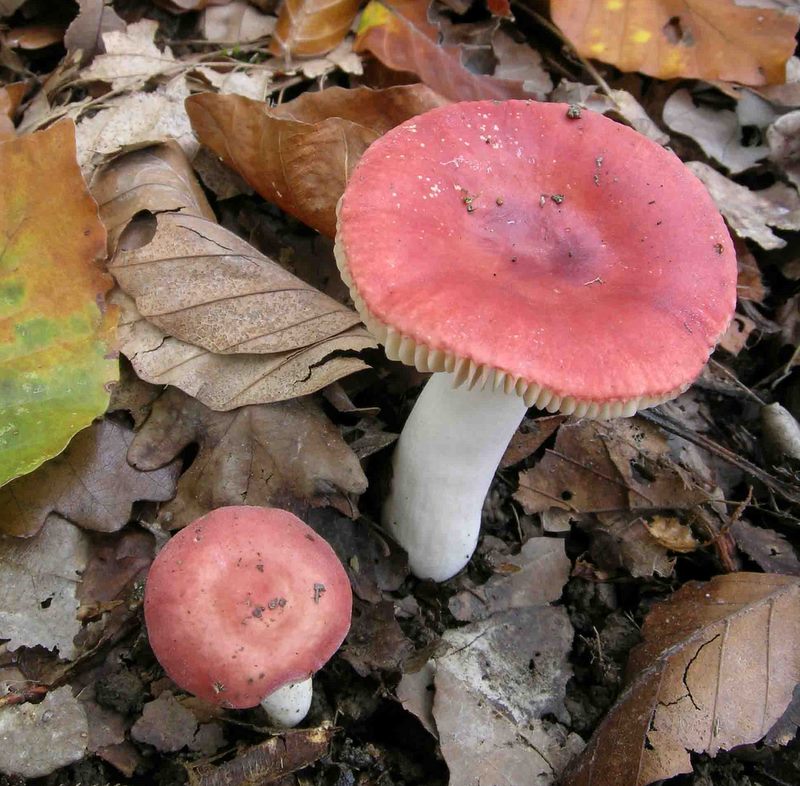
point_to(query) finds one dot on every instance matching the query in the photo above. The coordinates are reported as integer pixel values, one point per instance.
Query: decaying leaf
(494, 685)
(91, 484)
(783, 137)
(620, 104)
(236, 22)
(254, 84)
(95, 18)
(538, 575)
(672, 533)
(770, 550)
(281, 455)
(165, 724)
(156, 179)
(10, 98)
(705, 39)
(224, 382)
(399, 34)
(602, 466)
(749, 213)
(375, 641)
(300, 155)
(40, 738)
(518, 62)
(717, 131)
(136, 120)
(38, 580)
(312, 27)
(55, 356)
(202, 284)
(716, 669)
(131, 58)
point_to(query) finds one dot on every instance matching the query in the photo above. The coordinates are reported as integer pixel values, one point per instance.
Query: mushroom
(244, 605)
(533, 256)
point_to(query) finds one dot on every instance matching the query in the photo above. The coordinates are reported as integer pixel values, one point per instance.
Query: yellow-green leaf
(55, 336)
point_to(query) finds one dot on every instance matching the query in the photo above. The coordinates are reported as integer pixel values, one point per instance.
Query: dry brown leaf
(255, 84)
(307, 28)
(281, 455)
(85, 34)
(672, 534)
(400, 35)
(700, 39)
(770, 550)
(749, 213)
(602, 466)
(38, 581)
(165, 724)
(529, 437)
(91, 484)
(33, 37)
(749, 283)
(518, 62)
(156, 179)
(300, 155)
(375, 641)
(716, 669)
(224, 382)
(783, 137)
(236, 22)
(717, 131)
(131, 58)
(200, 283)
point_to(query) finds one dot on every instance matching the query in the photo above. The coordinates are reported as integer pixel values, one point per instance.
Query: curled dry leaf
(749, 213)
(716, 669)
(38, 581)
(307, 28)
(40, 738)
(401, 37)
(55, 356)
(707, 39)
(95, 18)
(280, 455)
(202, 284)
(225, 382)
(717, 131)
(91, 484)
(300, 155)
(672, 533)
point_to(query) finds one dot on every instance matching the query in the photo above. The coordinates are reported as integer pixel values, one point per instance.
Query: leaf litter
(502, 668)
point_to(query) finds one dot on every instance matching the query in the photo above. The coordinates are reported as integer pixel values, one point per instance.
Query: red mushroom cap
(243, 601)
(569, 258)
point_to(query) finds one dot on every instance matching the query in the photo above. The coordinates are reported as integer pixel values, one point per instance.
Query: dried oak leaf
(401, 36)
(38, 580)
(200, 283)
(494, 686)
(40, 738)
(602, 466)
(749, 213)
(300, 155)
(237, 21)
(716, 669)
(307, 28)
(282, 455)
(95, 18)
(704, 39)
(225, 382)
(717, 131)
(91, 484)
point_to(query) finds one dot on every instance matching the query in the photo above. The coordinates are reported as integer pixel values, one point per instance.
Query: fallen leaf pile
(175, 337)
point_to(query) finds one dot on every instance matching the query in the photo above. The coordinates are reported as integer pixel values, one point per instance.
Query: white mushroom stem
(443, 465)
(288, 705)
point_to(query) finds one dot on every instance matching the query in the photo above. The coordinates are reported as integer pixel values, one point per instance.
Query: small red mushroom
(244, 605)
(538, 256)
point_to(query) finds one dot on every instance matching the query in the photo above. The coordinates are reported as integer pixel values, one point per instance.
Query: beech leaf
(716, 669)
(300, 155)
(704, 39)
(307, 28)
(55, 342)
(399, 34)
(281, 455)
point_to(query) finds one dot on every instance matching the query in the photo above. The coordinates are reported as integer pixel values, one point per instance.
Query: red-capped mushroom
(244, 605)
(538, 256)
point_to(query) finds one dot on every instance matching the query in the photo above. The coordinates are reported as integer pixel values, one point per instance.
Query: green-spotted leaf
(55, 335)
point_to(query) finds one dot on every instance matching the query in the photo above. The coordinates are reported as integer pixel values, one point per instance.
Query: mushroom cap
(569, 259)
(243, 601)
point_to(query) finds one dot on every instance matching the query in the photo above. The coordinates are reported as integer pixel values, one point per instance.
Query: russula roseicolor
(244, 605)
(538, 256)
